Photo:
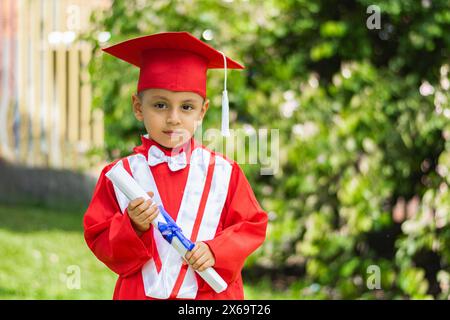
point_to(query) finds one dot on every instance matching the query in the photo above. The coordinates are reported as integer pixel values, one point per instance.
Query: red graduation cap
(175, 61)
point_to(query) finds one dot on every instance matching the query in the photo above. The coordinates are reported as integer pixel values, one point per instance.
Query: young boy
(206, 194)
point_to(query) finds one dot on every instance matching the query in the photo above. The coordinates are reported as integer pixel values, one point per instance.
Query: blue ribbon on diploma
(170, 230)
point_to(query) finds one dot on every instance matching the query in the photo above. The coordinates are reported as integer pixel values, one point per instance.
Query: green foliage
(364, 126)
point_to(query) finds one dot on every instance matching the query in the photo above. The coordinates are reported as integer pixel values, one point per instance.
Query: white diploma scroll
(132, 190)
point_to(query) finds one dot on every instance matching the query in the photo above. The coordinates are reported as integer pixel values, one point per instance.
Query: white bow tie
(157, 156)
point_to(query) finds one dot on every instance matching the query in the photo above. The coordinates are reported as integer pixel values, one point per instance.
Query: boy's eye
(187, 107)
(159, 105)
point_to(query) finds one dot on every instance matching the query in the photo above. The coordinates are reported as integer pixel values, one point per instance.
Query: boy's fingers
(154, 214)
(144, 206)
(151, 194)
(200, 250)
(141, 218)
(151, 217)
(189, 254)
(192, 260)
(152, 208)
(134, 203)
(196, 256)
(145, 215)
(200, 261)
(205, 265)
(201, 245)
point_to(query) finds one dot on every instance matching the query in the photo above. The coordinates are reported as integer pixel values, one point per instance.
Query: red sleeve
(244, 228)
(109, 233)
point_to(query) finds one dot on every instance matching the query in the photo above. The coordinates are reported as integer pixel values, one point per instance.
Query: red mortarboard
(175, 61)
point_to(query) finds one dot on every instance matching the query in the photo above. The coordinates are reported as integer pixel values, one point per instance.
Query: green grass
(43, 255)
(39, 251)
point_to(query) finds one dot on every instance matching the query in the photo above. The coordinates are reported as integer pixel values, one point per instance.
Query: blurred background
(359, 204)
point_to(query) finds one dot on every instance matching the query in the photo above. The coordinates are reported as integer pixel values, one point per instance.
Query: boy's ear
(204, 109)
(137, 107)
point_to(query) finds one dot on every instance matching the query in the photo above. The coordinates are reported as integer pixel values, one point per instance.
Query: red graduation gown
(109, 234)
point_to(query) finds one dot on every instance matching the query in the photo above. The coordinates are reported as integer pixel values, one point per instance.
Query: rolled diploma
(132, 190)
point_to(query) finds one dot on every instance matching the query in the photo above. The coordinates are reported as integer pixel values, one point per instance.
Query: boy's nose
(173, 117)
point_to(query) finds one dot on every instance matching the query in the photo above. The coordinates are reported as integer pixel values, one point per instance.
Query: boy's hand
(142, 214)
(200, 257)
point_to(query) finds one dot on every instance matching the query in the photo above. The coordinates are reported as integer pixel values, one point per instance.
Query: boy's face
(170, 117)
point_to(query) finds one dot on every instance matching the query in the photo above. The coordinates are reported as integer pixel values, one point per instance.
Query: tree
(364, 128)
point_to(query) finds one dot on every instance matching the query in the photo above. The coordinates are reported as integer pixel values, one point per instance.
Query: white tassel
(225, 114)
(225, 104)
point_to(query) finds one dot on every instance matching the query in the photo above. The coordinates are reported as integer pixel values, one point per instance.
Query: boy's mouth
(172, 133)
